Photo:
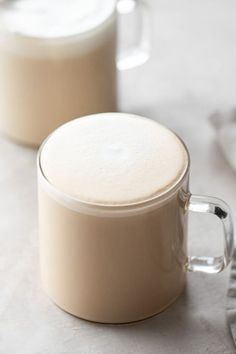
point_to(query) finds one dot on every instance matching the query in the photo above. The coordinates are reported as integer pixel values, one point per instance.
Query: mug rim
(78, 204)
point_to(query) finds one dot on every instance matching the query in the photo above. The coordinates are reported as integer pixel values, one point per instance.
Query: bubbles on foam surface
(113, 158)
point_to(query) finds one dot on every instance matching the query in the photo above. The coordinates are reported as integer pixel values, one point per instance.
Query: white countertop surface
(191, 73)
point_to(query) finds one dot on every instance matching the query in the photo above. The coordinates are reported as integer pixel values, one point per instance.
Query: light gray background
(191, 73)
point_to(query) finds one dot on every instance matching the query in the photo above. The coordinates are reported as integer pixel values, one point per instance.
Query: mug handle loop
(215, 206)
(139, 53)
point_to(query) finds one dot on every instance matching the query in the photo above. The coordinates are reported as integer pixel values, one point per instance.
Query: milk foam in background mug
(58, 61)
(113, 208)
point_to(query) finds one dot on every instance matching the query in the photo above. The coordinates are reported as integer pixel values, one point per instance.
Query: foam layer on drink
(54, 18)
(113, 159)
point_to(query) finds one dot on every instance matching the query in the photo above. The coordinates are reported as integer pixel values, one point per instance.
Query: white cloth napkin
(231, 299)
(225, 126)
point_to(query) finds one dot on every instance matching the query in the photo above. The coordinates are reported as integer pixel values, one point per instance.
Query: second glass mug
(48, 79)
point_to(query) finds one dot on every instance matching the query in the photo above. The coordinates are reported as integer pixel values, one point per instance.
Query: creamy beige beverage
(57, 62)
(112, 194)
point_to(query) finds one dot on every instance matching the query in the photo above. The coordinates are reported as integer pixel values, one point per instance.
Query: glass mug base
(134, 320)
(22, 135)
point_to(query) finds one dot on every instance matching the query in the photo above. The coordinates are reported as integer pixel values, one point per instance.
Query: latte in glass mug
(113, 209)
(58, 61)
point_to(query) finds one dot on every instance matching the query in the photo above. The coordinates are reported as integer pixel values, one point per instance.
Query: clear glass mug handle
(139, 53)
(215, 206)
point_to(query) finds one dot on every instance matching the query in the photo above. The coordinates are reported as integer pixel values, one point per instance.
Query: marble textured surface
(191, 73)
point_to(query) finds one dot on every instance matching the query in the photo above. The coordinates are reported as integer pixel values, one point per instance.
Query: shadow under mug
(122, 263)
(48, 81)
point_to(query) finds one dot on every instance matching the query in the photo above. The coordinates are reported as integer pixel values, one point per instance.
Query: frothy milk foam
(113, 159)
(120, 266)
(55, 18)
(57, 62)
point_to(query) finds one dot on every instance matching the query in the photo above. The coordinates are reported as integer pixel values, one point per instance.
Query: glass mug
(121, 263)
(58, 61)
